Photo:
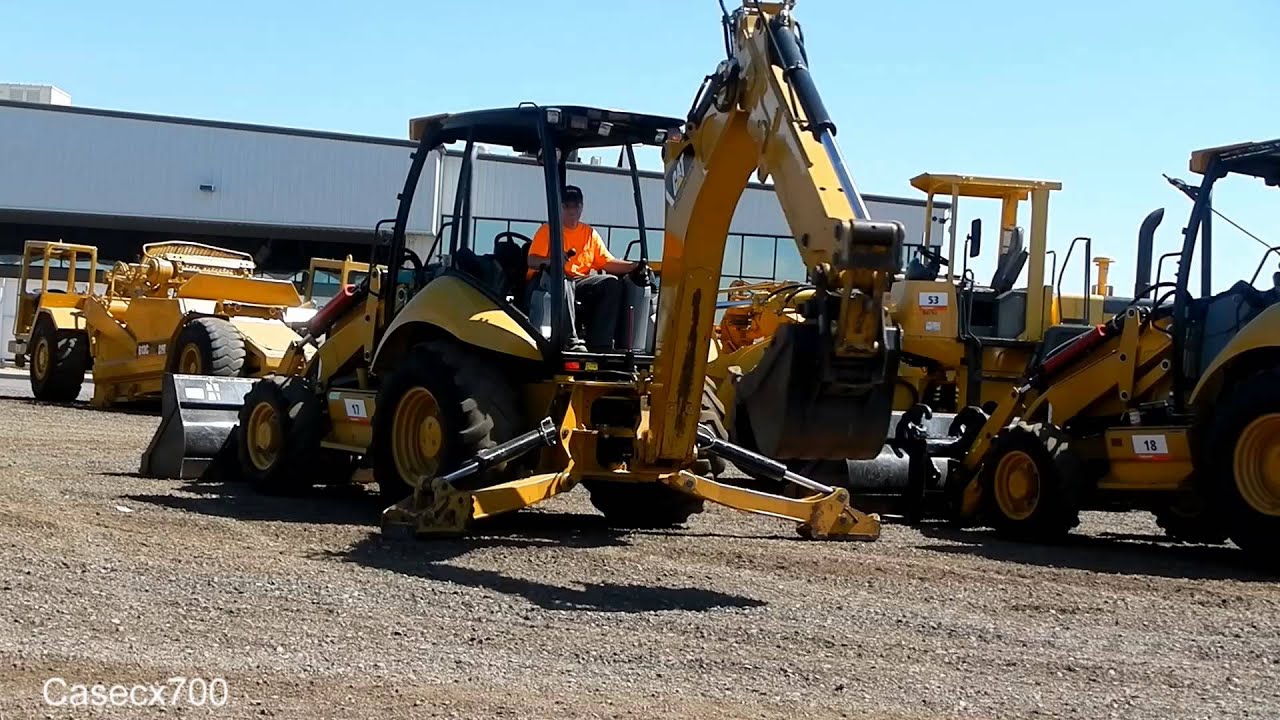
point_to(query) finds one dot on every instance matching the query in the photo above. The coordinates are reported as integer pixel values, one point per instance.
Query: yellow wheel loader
(1172, 406)
(963, 342)
(459, 383)
(185, 308)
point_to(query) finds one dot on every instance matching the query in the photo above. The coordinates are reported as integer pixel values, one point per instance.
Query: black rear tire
(218, 344)
(647, 505)
(712, 417)
(478, 410)
(1257, 533)
(60, 377)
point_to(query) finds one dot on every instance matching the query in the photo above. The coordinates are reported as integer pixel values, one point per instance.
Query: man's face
(570, 214)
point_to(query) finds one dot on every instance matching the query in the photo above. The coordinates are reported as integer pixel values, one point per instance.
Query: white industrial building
(42, 94)
(117, 180)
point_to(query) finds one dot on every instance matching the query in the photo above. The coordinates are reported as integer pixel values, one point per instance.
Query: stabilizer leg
(438, 508)
(822, 517)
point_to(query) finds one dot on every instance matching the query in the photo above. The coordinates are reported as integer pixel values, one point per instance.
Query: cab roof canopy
(573, 126)
(980, 187)
(1259, 159)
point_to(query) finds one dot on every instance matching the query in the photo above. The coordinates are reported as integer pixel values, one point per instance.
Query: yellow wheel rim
(1257, 464)
(191, 361)
(264, 436)
(1017, 485)
(417, 435)
(40, 359)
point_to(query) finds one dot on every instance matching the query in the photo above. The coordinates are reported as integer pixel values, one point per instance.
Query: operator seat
(514, 261)
(483, 268)
(1010, 264)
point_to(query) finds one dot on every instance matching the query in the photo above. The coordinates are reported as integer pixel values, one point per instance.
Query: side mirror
(975, 237)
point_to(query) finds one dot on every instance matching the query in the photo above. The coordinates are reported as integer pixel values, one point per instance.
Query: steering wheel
(932, 255)
(414, 260)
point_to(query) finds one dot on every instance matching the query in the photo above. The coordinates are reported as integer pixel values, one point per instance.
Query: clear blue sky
(1103, 96)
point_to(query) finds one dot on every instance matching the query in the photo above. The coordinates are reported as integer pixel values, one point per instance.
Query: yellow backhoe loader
(1171, 406)
(458, 381)
(185, 307)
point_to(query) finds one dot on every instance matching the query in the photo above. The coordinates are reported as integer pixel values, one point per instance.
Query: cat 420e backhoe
(455, 381)
(1172, 406)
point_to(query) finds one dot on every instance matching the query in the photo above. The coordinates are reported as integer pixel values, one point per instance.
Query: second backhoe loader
(458, 381)
(1172, 406)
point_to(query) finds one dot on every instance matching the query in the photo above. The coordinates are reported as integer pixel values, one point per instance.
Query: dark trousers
(601, 297)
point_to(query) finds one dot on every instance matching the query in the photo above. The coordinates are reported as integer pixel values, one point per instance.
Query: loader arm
(834, 372)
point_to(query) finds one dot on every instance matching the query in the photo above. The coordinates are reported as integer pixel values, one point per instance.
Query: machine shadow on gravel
(1118, 555)
(429, 559)
(320, 505)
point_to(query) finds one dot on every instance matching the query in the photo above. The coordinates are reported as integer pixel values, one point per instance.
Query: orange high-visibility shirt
(589, 250)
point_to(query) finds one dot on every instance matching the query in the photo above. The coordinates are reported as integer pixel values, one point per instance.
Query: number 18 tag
(1150, 445)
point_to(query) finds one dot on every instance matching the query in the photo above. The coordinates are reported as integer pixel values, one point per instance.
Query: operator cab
(996, 312)
(539, 300)
(1214, 319)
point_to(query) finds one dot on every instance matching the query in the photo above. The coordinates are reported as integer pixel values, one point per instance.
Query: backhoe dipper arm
(761, 111)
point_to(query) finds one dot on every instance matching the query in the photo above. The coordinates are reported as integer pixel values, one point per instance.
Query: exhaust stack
(1146, 243)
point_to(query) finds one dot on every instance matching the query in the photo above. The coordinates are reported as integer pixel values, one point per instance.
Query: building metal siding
(105, 164)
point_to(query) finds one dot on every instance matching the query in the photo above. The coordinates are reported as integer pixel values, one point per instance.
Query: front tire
(282, 422)
(445, 403)
(59, 360)
(1031, 483)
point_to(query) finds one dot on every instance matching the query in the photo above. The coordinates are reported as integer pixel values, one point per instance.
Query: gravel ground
(306, 611)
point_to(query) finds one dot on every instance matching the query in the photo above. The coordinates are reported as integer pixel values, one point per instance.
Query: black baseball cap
(571, 194)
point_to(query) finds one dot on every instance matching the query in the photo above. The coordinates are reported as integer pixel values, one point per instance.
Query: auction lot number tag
(1150, 446)
(931, 302)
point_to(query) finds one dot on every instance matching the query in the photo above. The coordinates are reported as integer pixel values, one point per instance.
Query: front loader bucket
(801, 405)
(198, 415)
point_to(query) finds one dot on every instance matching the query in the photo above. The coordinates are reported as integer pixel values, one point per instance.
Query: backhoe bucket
(799, 405)
(198, 415)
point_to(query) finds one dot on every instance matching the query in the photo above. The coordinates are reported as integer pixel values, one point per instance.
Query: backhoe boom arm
(761, 111)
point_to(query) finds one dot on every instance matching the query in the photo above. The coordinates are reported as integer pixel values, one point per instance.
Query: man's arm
(620, 267)
(604, 260)
(539, 248)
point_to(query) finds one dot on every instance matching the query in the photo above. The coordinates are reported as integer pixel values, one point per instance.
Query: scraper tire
(291, 460)
(59, 359)
(214, 344)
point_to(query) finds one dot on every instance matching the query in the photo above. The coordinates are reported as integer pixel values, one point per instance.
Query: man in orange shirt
(585, 252)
